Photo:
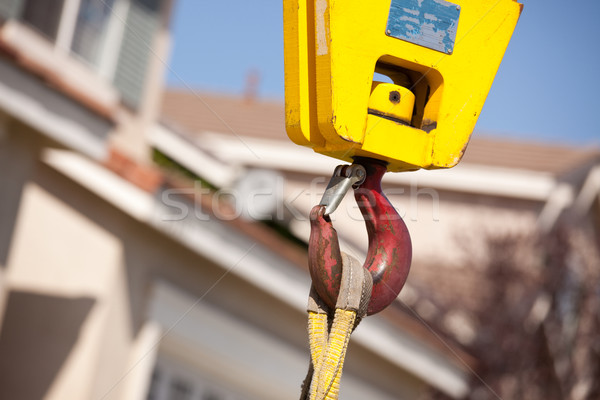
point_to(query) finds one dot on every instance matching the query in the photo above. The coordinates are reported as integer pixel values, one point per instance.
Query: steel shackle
(390, 250)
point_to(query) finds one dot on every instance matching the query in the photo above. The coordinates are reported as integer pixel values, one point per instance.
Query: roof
(198, 112)
(194, 112)
(542, 157)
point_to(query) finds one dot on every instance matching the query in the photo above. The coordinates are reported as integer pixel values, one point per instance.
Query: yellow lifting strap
(329, 332)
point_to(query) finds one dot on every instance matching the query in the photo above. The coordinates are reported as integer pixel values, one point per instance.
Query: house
(511, 232)
(509, 184)
(119, 280)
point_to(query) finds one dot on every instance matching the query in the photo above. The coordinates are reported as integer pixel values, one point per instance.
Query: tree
(538, 325)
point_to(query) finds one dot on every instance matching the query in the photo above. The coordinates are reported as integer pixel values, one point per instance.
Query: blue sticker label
(428, 23)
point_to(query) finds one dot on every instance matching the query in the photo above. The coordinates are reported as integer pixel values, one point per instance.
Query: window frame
(108, 56)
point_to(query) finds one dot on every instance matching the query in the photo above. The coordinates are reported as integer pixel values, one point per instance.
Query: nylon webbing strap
(329, 332)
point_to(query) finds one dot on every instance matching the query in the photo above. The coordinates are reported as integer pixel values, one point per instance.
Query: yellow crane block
(438, 60)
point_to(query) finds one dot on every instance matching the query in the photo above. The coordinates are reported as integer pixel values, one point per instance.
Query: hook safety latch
(390, 250)
(344, 177)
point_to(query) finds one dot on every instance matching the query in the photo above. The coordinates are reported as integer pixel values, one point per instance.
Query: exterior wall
(61, 284)
(445, 226)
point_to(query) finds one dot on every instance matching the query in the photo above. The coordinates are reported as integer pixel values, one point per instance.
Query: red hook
(390, 250)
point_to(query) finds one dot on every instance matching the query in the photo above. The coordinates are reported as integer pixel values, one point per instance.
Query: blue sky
(547, 87)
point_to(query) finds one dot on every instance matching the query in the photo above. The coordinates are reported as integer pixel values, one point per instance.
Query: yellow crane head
(402, 81)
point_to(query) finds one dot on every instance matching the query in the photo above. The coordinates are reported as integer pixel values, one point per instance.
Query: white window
(113, 37)
(91, 28)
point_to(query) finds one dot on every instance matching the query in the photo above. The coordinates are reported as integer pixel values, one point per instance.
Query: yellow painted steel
(391, 101)
(332, 50)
